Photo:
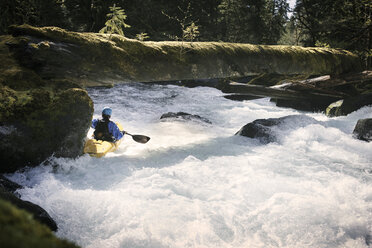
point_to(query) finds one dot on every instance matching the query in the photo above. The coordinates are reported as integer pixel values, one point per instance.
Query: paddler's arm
(94, 123)
(114, 130)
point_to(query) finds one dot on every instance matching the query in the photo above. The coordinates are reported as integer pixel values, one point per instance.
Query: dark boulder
(363, 129)
(184, 116)
(19, 229)
(348, 105)
(40, 124)
(8, 185)
(266, 130)
(7, 193)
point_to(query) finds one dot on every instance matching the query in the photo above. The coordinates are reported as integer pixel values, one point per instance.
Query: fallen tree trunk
(278, 93)
(308, 101)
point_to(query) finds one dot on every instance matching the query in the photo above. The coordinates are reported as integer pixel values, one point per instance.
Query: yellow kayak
(99, 148)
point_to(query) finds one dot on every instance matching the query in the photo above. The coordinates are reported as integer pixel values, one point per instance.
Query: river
(195, 184)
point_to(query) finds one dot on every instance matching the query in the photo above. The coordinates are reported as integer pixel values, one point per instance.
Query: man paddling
(105, 129)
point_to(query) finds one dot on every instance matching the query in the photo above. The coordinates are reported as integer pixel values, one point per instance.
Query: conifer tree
(116, 22)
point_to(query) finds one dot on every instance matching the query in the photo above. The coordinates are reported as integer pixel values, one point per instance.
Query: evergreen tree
(253, 21)
(116, 22)
(33, 12)
(87, 15)
(338, 23)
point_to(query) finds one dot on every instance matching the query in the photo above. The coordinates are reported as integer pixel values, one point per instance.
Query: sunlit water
(197, 185)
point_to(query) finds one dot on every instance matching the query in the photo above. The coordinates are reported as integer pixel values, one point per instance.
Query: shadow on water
(103, 173)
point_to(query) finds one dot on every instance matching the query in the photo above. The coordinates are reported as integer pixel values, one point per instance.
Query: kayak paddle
(138, 138)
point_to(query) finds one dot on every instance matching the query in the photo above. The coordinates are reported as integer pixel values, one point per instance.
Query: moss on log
(90, 58)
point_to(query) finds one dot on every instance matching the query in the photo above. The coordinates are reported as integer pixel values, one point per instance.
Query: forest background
(345, 24)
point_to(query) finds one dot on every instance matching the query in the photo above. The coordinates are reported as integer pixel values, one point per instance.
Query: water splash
(198, 185)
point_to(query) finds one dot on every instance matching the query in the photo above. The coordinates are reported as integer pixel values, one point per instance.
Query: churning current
(195, 184)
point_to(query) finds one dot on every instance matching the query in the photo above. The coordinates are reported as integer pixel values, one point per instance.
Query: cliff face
(91, 59)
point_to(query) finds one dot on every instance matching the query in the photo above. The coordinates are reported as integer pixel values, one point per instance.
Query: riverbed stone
(266, 130)
(184, 116)
(349, 105)
(363, 129)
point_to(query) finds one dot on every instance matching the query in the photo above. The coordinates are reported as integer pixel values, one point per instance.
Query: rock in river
(265, 130)
(7, 193)
(184, 116)
(363, 129)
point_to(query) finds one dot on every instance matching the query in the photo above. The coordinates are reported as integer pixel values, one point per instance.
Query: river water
(195, 184)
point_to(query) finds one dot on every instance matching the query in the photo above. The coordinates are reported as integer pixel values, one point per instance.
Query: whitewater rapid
(197, 185)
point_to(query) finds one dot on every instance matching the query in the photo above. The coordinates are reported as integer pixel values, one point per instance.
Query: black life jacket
(102, 132)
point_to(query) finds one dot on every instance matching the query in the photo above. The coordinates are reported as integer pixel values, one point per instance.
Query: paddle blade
(140, 138)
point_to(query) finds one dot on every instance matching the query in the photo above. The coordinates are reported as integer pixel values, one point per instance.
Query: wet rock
(39, 116)
(8, 185)
(7, 193)
(19, 229)
(266, 130)
(184, 116)
(35, 125)
(348, 105)
(37, 212)
(363, 129)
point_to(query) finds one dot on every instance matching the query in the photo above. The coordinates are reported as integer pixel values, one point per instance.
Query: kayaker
(105, 129)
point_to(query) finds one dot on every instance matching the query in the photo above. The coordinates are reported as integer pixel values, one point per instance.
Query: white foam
(197, 185)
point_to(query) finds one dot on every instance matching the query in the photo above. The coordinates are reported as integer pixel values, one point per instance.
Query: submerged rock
(266, 130)
(348, 105)
(363, 129)
(184, 116)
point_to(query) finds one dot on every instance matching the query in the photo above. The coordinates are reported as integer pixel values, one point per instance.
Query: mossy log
(92, 59)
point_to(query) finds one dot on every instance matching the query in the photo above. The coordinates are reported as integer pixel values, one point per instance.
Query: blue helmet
(107, 111)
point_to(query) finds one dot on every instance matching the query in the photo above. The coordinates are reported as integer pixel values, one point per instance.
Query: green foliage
(321, 44)
(253, 21)
(18, 229)
(142, 36)
(188, 28)
(191, 32)
(34, 12)
(340, 23)
(87, 15)
(116, 22)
